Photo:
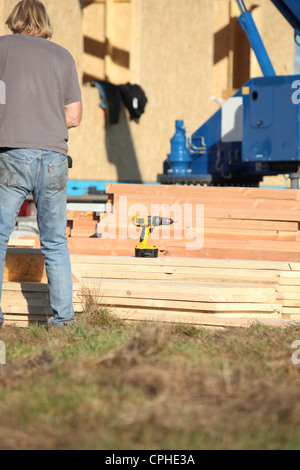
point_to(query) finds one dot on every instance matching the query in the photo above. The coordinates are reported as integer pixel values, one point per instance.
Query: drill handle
(142, 237)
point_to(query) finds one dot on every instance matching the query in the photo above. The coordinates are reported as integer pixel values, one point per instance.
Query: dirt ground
(154, 387)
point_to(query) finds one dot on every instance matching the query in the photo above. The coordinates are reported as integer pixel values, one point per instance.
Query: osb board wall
(278, 37)
(167, 40)
(119, 30)
(103, 152)
(175, 67)
(94, 41)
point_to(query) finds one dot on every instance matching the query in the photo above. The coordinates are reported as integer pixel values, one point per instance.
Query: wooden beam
(24, 265)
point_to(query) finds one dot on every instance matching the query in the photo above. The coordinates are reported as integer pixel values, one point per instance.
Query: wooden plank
(24, 287)
(154, 269)
(261, 245)
(179, 292)
(201, 318)
(21, 243)
(34, 301)
(26, 310)
(257, 225)
(291, 310)
(104, 230)
(290, 302)
(35, 239)
(98, 246)
(200, 306)
(135, 296)
(294, 266)
(24, 320)
(289, 288)
(154, 286)
(74, 215)
(287, 295)
(208, 276)
(253, 234)
(214, 210)
(82, 233)
(292, 318)
(217, 192)
(185, 262)
(84, 224)
(7, 296)
(155, 202)
(244, 251)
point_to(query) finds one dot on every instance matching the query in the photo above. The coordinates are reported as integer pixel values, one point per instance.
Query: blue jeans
(45, 175)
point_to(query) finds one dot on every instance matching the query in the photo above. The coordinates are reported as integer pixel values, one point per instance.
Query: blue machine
(254, 134)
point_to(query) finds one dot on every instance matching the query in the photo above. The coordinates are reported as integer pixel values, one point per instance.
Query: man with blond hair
(43, 100)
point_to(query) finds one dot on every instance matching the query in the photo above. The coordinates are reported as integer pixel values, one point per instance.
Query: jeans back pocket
(13, 170)
(58, 175)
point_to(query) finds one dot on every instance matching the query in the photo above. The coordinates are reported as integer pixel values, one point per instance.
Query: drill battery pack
(146, 252)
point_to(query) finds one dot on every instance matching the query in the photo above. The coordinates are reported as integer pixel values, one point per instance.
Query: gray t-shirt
(40, 79)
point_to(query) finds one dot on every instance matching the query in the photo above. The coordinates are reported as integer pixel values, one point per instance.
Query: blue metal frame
(248, 25)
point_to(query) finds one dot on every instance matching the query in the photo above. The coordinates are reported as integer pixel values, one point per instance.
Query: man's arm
(73, 114)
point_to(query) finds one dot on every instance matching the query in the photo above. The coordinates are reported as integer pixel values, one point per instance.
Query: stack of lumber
(206, 292)
(237, 223)
(288, 292)
(81, 223)
(199, 291)
(25, 303)
(210, 222)
(245, 265)
(25, 297)
(25, 291)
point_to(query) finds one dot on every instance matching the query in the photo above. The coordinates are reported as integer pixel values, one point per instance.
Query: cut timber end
(23, 264)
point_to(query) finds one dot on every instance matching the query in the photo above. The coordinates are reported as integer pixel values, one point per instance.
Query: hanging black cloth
(132, 96)
(134, 99)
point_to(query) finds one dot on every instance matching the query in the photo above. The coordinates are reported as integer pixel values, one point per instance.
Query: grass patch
(95, 313)
(107, 384)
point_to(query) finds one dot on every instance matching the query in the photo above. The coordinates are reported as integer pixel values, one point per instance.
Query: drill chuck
(156, 221)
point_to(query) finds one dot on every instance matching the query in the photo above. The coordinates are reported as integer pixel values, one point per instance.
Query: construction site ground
(195, 349)
(113, 385)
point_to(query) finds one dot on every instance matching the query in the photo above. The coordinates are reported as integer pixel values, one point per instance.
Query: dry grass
(143, 386)
(94, 312)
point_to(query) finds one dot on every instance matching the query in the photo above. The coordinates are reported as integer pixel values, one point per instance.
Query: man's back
(43, 101)
(40, 79)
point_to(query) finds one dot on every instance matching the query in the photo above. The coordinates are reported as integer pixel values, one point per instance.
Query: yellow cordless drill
(148, 223)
